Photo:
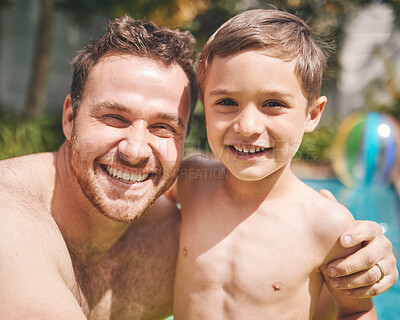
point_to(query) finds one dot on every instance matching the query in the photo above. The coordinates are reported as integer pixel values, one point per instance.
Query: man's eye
(114, 120)
(227, 102)
(163, 130)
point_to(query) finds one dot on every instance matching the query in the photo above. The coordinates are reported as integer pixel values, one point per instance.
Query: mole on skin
(185, 252)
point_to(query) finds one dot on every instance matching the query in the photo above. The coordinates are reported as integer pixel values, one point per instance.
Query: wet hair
(141, 38)
(281, 34)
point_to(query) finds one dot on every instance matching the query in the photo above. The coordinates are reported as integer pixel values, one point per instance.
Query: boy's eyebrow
(278, 93)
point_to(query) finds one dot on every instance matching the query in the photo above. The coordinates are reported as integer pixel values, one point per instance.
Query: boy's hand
(359, 274)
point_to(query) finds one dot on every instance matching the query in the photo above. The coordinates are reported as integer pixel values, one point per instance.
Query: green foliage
(316, 145)
(20, 135)
(389, 84)
(197, 138)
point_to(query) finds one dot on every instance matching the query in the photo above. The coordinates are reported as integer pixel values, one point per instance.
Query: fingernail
(347, 240)
(332, 271)
(334, 283)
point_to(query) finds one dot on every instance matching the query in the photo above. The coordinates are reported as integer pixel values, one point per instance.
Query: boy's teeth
(126, 175)
(248, 149)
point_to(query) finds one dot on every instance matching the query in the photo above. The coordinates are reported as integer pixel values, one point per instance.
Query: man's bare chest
(134, 282)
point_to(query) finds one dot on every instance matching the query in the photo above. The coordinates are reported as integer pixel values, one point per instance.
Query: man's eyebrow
(171, 117)
(109, 105)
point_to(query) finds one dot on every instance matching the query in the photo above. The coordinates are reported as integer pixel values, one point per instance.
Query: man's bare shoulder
(197, 167)
(32, 248)
(33, 255)
(27, 172)
(199, 173)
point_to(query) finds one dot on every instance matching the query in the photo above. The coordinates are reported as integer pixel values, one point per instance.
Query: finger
(327, 194)
(358, 280)
(362, 231)
(363, 259)
(373, 290)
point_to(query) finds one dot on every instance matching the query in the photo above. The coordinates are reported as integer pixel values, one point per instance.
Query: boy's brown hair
(281, 34)
(141, 38)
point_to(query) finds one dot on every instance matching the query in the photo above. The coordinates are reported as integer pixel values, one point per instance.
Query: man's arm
(31, 281)
(357, 274)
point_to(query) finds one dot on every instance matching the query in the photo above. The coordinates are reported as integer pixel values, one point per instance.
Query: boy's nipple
(185, 252)
(277, 286)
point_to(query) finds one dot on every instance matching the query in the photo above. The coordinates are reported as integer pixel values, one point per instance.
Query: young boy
(260, 76)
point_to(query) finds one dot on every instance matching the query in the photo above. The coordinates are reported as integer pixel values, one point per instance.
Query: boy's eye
(274, 104)
(227, 102)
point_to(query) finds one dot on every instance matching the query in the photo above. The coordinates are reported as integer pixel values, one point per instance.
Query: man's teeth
(134, 177)
(249, 150)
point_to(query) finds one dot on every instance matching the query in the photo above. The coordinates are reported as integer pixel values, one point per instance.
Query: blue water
(382, 206)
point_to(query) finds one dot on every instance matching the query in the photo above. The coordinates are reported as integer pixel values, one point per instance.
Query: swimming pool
(382, 206)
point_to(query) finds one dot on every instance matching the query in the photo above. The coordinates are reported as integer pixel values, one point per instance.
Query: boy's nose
(248, 122)
(135, 148)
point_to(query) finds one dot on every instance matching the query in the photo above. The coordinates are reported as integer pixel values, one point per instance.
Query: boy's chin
(254, 174)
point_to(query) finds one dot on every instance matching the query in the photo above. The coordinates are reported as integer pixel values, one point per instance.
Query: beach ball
(365, 150)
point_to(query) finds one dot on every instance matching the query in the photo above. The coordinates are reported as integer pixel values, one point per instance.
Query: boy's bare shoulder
(330, 218)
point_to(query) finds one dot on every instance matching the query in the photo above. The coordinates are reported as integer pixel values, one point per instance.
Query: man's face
(255, 113)
(128, 135)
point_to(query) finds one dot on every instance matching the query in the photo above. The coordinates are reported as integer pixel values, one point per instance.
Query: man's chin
(124, 210)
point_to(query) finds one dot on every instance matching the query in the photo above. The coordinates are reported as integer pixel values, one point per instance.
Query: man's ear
(68, 117)
(314, 114)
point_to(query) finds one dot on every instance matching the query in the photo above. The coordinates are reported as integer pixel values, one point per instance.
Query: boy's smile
(256, 112)
(248, 152)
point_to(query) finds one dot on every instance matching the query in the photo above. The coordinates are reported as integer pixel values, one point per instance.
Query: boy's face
(256, 113)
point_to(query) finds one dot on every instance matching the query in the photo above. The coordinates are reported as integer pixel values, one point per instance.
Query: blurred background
(39, 38)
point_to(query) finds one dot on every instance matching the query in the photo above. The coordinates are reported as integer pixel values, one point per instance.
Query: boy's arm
(347, 307)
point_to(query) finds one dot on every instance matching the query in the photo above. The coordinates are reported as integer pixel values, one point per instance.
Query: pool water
(383, 206)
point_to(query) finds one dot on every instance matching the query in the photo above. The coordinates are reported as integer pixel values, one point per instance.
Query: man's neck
(88, 233)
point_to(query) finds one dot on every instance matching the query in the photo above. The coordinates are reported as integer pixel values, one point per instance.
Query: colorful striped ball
(366, 150)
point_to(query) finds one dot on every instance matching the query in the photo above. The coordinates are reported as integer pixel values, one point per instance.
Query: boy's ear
(68, 117)
(314, 114)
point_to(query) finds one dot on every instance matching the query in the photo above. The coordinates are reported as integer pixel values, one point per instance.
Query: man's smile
(124, 176)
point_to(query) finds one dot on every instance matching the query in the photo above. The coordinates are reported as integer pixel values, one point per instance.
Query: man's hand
(358, 274)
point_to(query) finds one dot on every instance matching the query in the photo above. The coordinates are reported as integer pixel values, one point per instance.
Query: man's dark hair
(141, 38)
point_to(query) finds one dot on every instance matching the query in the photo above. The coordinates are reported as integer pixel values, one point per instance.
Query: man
(76, 241)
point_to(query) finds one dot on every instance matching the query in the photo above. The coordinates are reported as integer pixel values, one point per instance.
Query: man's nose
(249, 122)
(135, 148)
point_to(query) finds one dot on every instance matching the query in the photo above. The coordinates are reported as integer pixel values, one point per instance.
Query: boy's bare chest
(257, 257)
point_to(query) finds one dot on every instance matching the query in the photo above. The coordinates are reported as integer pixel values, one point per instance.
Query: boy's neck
(274, 186)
